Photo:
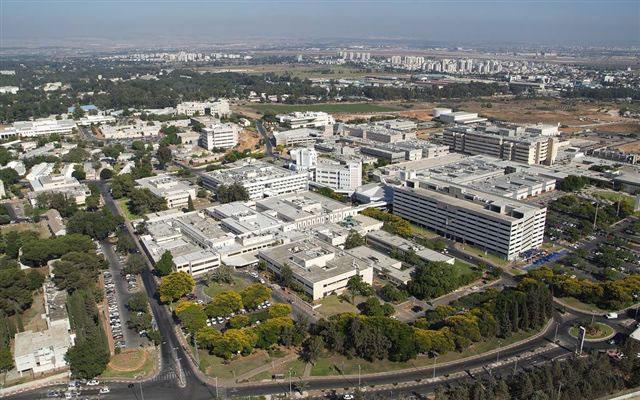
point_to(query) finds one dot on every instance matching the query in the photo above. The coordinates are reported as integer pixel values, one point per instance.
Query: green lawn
(424, 232)
(125, 209)
(326, 107)
(332, 305)
(123, 360)
(237, 285)
(492, 258)
(296, 367)
(615, 197)
(215, 366)
(573, 302)
(341, 365)
(604, 331)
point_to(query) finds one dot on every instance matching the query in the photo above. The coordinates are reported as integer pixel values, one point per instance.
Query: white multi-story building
(219, 108)
(259, 178)
(506, 227)
(341, 176)
(174, 191)
(511, 143)
(40, 127)
(318, 267)
(300, 136)
(67, 185)
(9, 89)
(130, 131)
(307, 119)
(219, 136)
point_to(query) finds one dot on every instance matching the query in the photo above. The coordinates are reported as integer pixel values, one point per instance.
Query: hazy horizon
(169, 22)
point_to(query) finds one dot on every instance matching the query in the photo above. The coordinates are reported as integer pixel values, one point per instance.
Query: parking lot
(118, 290)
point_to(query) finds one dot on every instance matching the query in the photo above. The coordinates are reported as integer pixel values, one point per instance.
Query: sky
(537, 22)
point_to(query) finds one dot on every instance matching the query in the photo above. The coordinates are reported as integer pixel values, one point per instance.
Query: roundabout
(596, 331)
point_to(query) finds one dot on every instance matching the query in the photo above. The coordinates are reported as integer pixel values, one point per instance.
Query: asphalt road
(265, 136)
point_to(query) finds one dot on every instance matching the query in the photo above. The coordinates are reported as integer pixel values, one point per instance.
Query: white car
(104, 389)
(93, 382)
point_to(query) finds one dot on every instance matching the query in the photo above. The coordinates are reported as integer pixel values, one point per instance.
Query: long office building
(505, 143)
(259, 178)
(503, 226)
(174, 191)
(219, 108)
(39, 127)
(307, 119)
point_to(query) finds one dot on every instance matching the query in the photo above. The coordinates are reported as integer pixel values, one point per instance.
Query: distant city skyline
(156, 23)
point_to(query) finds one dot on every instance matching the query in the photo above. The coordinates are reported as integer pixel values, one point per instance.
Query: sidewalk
(58, 379)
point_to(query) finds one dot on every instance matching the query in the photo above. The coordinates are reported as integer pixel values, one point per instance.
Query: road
(266, 137)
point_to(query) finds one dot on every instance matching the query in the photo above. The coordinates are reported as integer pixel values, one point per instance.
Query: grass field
(125, 209)
(348, 108)
(296, 367)
(332, 305)
(615, 197)
(573, 302)
(237, 285)
(130, 364)
(216, 366)
(341, 365)
(40, 228)
(492, 258)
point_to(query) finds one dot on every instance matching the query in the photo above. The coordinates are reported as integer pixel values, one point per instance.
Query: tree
(135, 264)
(143, 201)
(78, 112)
(192, 316)
(164, 156)
(255, 294)
(165, 265)
(372, 307)
(239, 321)
(106, 174)
(79, 172)
(279, 310)
(312, 348)
(286, 276)
(231, 193)
(138, 302)
(6, 359)
(224, 304)
(76, 270)
(175, 285)
(190, 206)
(354, 239)
(222, 274)
(121, 185)
(357, 286)
(573, 183)
(391, 293)
(86, 359)
(97, 225)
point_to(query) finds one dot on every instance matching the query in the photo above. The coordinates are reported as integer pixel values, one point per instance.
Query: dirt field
(128, 360)
(248, 140)
(624, 127)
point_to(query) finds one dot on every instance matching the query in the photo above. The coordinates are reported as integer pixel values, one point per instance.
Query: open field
(237, 285)
(39, 227)
(125, 209)
(300, 70)
(575, 303)
(131, 363)
(338, 108)
(218, 367)
(247, 140)
(622, 127)
(332, 305)
(334, 364)
(32, 317)
(296, 367)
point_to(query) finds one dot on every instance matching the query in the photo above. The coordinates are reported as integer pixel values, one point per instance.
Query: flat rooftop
(294, 207)
(248, 171)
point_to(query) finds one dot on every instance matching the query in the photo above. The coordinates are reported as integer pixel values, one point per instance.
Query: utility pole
(595, 217)
(216, 387)
(559, 387)
(141, 393)
(290, 386)
(435, 359)
(555, 336)
(359, 378)
(498, 355)
(515, 367)
(618, 210)
(197, 355)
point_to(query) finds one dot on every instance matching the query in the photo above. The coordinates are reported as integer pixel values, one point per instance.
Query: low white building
(318, 267)
(39, 127)
(174, 191)
(219, 108)
(259, 178)
(96, 120)
(307, 119)
(219, 136)
(342, 176)
(130, 131)
(299, 136)
(9, 89)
